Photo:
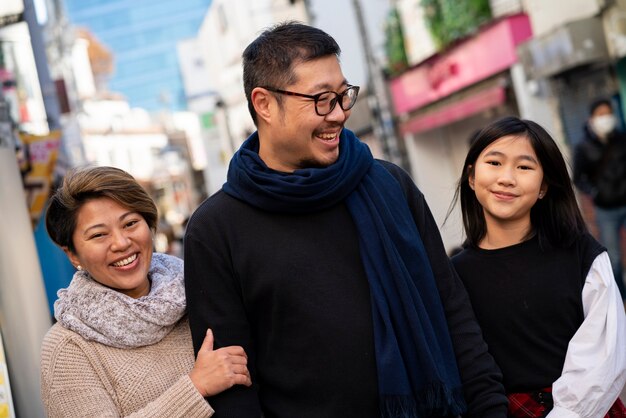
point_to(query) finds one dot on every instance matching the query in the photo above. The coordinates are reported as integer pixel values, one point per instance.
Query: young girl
(541, 286)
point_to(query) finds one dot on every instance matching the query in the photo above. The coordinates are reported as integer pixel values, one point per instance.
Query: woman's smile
(114, 245)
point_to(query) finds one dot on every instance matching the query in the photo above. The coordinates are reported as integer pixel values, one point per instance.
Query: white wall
(417, 40)
(547, 15)
(81, 67)
(437, 158)
(134, 153)
(337, 18)
(536, 101)
(193, 66)
(505, 7)
(9, 7)
(188, 122)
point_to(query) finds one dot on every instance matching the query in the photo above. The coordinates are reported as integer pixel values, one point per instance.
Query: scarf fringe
(435, 400)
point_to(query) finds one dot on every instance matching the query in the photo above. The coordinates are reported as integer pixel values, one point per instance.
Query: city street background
(155, 87)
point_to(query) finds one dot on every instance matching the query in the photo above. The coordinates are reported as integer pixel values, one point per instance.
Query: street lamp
(221, 104)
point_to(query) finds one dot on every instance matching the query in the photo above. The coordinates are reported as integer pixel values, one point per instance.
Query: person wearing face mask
(600, 172)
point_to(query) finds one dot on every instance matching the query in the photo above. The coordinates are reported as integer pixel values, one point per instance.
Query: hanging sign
(6, 400)
(41, 152)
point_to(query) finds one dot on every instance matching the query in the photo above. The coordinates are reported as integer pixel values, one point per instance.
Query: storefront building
(575, 60)
(442, 101)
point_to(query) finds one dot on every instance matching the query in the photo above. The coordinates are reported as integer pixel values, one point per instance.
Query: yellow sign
(6, 400)
(37, 172)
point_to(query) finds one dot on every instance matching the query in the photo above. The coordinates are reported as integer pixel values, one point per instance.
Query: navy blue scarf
(417, 371)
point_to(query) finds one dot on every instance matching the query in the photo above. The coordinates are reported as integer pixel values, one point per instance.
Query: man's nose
(338, 114)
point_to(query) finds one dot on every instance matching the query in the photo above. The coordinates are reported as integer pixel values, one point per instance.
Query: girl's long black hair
(556, 218)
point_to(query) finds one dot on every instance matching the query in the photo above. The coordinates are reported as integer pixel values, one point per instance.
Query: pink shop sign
(489, 52)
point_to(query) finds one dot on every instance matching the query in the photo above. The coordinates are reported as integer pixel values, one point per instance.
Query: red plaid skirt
(538, 404)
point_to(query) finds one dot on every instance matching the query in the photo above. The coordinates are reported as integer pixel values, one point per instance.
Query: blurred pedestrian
(540, 284)
(325, 264)
(600, 172)
(122, 344)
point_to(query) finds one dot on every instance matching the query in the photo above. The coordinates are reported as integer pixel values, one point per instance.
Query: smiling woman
(122, 328)
(113, 244)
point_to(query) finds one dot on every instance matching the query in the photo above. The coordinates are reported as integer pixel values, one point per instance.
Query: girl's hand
(218, 370)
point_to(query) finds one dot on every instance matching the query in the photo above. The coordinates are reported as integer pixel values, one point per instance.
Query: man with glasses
(326, 264)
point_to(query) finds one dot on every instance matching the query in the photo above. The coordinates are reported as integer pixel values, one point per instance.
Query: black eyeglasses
(325, 102)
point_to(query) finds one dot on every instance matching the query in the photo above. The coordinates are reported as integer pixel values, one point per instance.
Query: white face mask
(603, 125)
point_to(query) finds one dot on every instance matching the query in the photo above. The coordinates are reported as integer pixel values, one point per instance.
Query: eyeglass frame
(316, 97)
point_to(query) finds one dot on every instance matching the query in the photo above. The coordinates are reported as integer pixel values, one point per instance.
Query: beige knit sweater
(81, 378)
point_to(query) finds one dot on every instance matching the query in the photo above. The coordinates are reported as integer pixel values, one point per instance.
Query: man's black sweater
(292, 290)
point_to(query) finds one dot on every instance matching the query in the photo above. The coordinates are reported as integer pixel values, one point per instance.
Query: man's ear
(262, 102)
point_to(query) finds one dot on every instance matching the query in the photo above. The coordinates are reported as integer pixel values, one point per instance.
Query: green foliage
(397, 60)
(449, 20)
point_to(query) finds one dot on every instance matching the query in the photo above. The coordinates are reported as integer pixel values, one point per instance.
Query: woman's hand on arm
(218, 370)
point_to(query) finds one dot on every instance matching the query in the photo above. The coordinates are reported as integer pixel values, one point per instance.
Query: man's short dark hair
(268, 60)
(599, 102)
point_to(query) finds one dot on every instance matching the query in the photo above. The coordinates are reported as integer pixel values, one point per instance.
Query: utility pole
(48, 89)
(377, 94)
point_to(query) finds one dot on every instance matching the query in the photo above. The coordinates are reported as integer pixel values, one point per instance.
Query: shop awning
(458, 110)
(491, 51)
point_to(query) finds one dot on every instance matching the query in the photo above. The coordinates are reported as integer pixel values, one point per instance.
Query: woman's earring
(540, 195)
(79, 268)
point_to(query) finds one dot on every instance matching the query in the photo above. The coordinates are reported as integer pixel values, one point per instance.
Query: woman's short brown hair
(85, 183)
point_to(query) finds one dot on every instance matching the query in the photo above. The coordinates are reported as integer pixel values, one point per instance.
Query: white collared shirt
(594, 372)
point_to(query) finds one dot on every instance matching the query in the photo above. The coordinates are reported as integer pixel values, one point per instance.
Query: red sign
(441, 71)
(491, 51)
(462, 109)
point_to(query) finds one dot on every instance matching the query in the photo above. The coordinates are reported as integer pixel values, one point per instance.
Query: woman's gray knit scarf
(112, 318)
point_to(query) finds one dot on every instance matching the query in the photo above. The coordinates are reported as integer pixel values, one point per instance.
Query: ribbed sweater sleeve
(182, 399)
(76, 382)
